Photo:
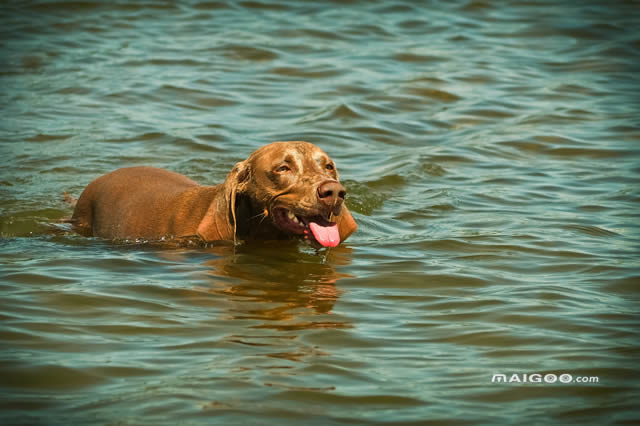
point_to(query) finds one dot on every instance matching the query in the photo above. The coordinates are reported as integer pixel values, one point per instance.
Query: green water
(491, 155)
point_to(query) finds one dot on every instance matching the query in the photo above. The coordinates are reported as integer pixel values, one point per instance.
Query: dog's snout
(331, 193)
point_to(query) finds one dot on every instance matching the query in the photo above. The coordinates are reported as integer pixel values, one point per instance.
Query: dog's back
(135, 201)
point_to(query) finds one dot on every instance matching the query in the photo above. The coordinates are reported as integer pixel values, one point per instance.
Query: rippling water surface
(491, 153)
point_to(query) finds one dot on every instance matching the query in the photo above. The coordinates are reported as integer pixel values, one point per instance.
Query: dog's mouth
(323, 230)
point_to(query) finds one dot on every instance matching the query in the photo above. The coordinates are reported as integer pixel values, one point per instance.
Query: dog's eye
(329, 166)
(283, 168)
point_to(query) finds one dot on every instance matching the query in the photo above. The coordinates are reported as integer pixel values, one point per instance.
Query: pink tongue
(328, 236)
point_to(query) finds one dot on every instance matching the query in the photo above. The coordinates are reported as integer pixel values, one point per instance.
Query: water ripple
(490, 157)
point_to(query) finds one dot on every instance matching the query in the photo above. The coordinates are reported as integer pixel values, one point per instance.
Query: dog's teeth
(292, 217)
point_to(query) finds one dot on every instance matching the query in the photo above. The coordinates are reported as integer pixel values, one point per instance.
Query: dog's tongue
(328, 236)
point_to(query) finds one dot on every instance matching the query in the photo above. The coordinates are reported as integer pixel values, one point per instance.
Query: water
(491, 155)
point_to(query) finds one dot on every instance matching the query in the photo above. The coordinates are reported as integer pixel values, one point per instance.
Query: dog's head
(289, 188)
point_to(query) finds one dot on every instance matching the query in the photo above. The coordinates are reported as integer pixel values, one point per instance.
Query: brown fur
(150, 203)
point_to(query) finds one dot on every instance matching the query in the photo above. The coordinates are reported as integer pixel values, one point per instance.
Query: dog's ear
(219, 222)
(238, 176)
(236, 183)
(346, 224)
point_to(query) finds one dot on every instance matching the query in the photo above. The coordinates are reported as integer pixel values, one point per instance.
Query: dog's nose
(331, 193)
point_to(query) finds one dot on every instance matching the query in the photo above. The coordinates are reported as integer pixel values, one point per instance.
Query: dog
(282, 190)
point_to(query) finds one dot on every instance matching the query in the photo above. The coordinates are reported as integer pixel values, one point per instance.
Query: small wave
(342, 112)
(307, 73)
(436, 94)
(249, 53)
(418, 58)
(591, 230)
(41, 137)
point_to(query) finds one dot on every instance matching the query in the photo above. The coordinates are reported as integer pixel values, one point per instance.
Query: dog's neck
(251, 221)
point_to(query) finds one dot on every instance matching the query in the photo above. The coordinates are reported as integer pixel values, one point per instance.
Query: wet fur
(150, 203)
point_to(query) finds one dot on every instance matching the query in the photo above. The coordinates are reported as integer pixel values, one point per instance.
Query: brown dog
(283, 190)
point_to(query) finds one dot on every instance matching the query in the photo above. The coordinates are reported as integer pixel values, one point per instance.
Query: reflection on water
(490, 151)
(253, 280)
